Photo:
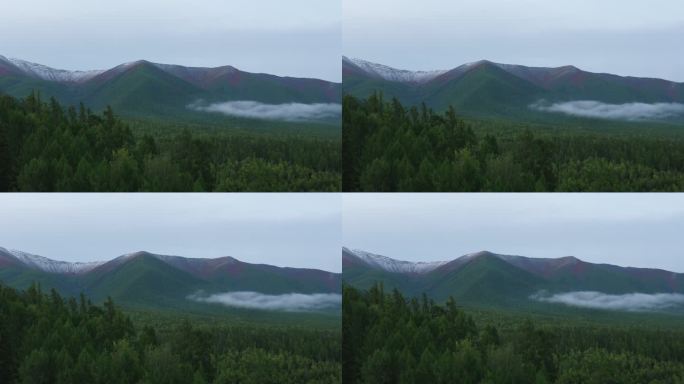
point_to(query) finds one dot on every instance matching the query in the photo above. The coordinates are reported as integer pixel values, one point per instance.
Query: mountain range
(487, 279)
(147, 280)
(488, 89)
(145, 89)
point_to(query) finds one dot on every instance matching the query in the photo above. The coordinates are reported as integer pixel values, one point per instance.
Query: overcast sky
(625, 37)
(295, 230)
(640, 230)
(295, 37)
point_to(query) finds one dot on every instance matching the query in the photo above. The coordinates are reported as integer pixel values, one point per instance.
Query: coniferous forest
(390, 147)
(47, 147)
(46, 338)
(389, 338)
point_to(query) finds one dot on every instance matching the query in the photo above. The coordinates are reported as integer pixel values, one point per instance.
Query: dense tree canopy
(387, 147)
(51, 339)
(388, 338)
(44, 147)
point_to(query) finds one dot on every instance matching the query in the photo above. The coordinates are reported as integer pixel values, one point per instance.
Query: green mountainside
(143, 89)
(488, 280)
(146, 281)
(485, 279)
(491, 90)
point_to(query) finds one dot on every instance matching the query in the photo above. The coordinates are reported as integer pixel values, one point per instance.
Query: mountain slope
(43, 72)
(146, 89)
(483, 89)
(141, 280)
(357, 271)
(487, 89)
(483, 279)
(146, 280)
(384, 72)
(486, 279)
(15, 257)
(140, 89)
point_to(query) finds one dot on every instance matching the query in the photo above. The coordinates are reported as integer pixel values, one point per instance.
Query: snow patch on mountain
(51, 74)
(49, 265)
(534, 74)
(392, 74)
(397, 266)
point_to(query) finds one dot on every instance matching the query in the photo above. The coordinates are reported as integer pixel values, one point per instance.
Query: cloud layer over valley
(286, 112)
(292, 302)
(633, 302)
(627, 111)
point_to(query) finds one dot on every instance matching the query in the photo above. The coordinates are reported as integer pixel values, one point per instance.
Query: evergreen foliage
(388, 338)
(44, 147)
(45, 338)
(387, 147)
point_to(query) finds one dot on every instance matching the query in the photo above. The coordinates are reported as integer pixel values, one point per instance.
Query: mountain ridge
(125, 257)
(506, 257)
(144, 89)
(144, 279)
(488, 279)
(49, 72)
(393, 74)
(509, 67)
(494, 90)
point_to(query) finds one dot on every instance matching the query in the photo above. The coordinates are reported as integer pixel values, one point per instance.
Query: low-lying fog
(292, 302)
(286, 112)
(633, 302)
(627, 111)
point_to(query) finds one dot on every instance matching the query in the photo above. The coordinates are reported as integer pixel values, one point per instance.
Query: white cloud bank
(287, 111)
(633, 302)
(292, 302)
(628, 111)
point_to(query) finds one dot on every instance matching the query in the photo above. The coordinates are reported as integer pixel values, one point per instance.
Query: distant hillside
(493, 280)
(146, 89)
(147, 280)
(487, 89)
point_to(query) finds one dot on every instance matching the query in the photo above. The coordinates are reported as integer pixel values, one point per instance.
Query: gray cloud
(627, 111)
(292, 302)
(287, 111)
(633, 302)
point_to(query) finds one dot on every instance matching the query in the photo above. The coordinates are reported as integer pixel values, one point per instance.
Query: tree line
(46, 338)
(45, 147)
(389, 338)
(388, 147)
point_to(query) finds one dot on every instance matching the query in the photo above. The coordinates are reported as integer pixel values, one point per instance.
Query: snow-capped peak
(51, 74)
(398, 266)
(392, 74)
(49, 265)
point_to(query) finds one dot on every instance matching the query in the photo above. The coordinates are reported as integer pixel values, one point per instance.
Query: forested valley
(389, 338)
(389, 147)
(47, 147)
(46, 338)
